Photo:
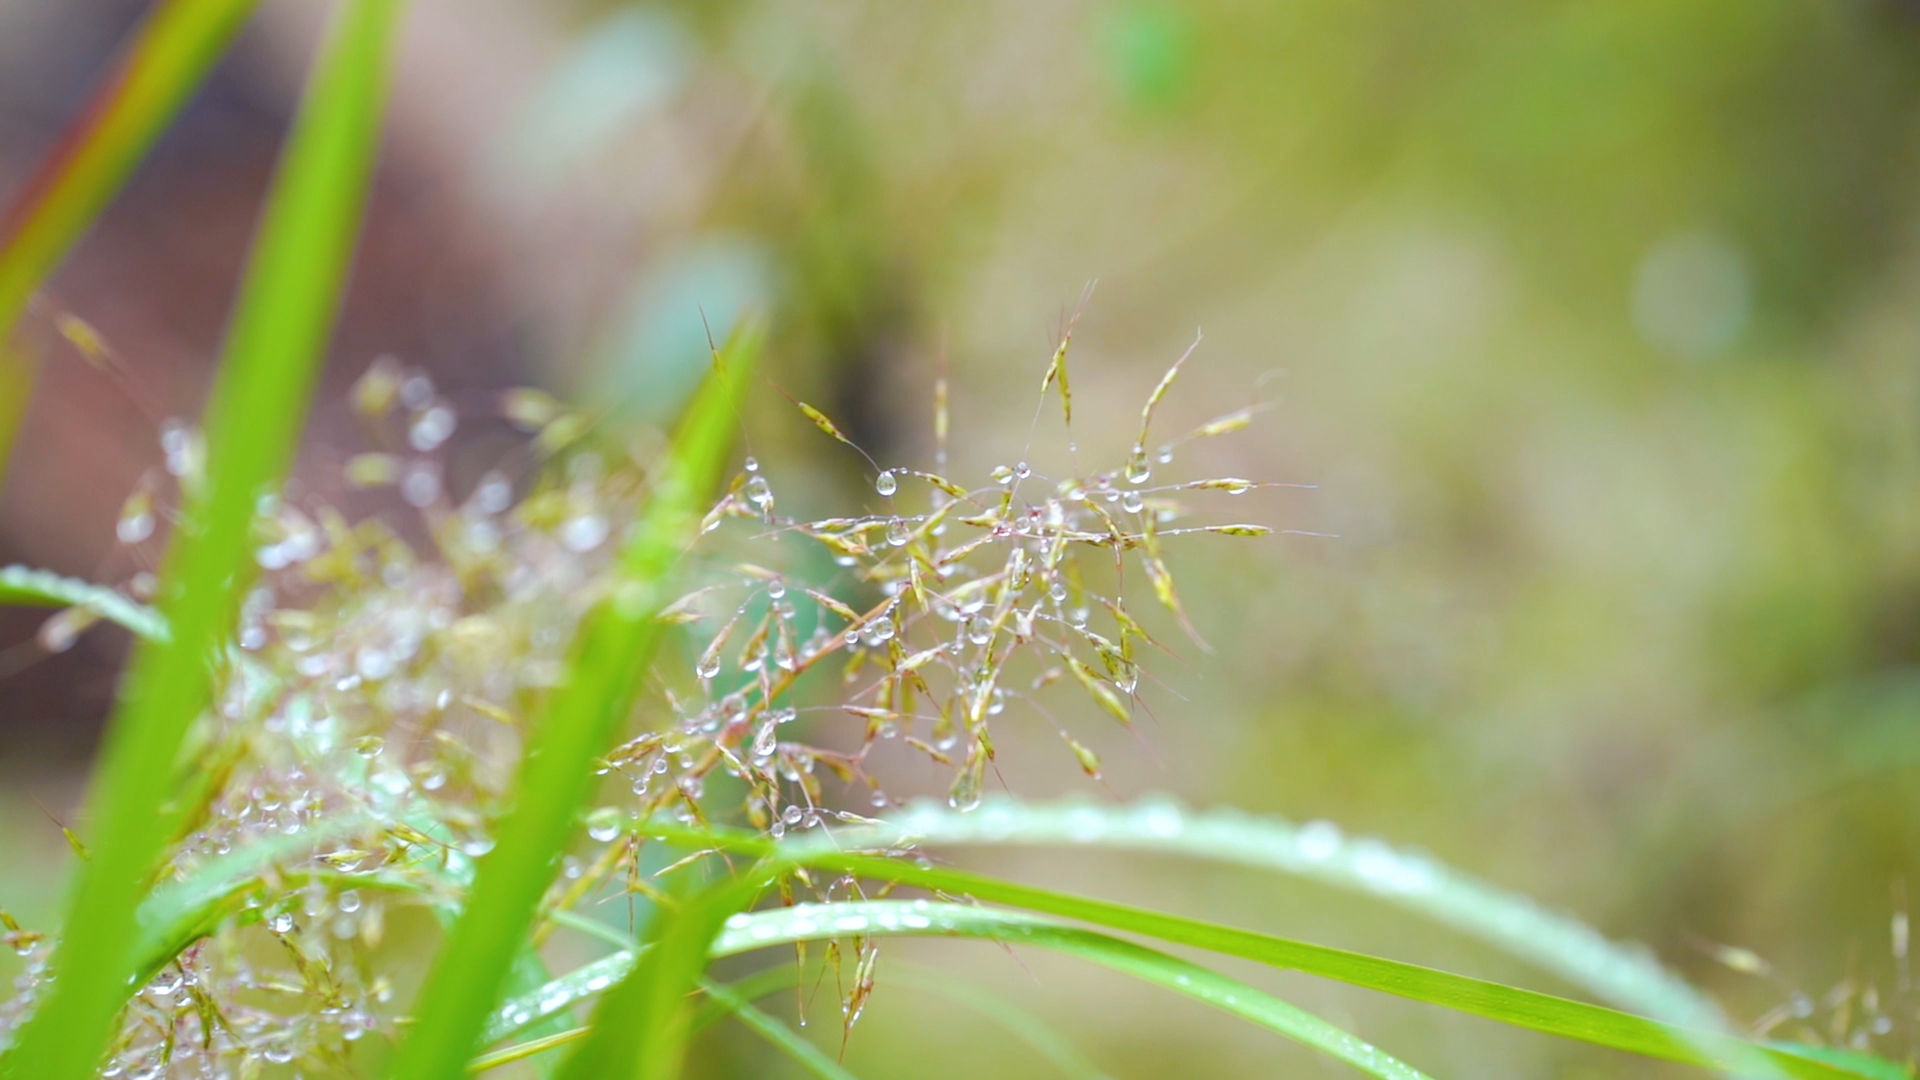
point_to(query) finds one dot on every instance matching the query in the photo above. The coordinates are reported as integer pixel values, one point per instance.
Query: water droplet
(430, 428)
(776, 588)
(1132, 502)
(60, 631)
(136, 519)
(369, 746)
(348, 901)
(181, 444)
(1138, 469)
(752, 464)
(1001, 474)
(603, 824)
(416, 392)
(421, 485)
(1165, 456)
(281, 923)
(493, 494)
(374, 664)
(899, 532)
(964, 796)
(584, 532)
(759, 492)
(1022, 470)
(885, 484)
(708, 667)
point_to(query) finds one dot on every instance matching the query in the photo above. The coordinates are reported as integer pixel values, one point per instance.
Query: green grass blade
(1319, 852)
(280, 327)
(815, 922)
(26, 586)
(175, 915)
(722, 999)
(1546, 1013)
(1558, 943)
(1050, 1044)
(162, 64)
(783, 1038)
(609, 659)
(507, 1055)
(640, 1028)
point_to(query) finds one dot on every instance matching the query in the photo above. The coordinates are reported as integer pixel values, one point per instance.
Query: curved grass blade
(1320, 852)
(26, 586)
(1546, 1013)
(609, 658)
(160, 67)
(507, 1055)
(1050, 1044)
(176, 915)
(722, 999)
(640, 1028)
(814, 922)
(785, 1039)
(279, 331)
(1853, 1061)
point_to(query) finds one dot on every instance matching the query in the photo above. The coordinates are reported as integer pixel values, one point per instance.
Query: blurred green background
(1595, 323)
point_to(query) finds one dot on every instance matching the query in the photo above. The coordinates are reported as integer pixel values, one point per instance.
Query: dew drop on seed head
(752, 464)
(1001, 474)
(885, 484)
(1132, 502)
(1022, 470)
(776, 588)
(1138, 470)
(1165, 456)
(899, 532)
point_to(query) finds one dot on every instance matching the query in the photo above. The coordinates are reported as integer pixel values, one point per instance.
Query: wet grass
(431, 730)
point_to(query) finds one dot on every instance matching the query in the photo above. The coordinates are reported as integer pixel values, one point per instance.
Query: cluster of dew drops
(384, 670)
